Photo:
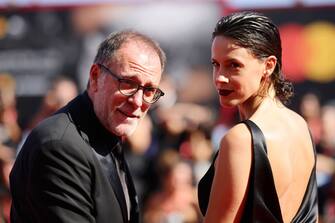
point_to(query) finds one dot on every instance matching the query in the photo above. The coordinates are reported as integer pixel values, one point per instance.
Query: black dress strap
(205, 185)
(262, 202)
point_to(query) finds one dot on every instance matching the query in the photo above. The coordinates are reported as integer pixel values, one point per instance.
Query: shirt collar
(82, 113)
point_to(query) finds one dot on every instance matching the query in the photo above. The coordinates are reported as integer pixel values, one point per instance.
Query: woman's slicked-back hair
(261, 37)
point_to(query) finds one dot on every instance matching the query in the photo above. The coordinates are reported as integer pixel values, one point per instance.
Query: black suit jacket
(60, 174)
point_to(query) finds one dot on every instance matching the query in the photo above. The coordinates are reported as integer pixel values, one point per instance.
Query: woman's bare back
(291, 155)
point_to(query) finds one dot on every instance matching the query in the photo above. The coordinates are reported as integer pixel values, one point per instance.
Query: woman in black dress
(265, 168)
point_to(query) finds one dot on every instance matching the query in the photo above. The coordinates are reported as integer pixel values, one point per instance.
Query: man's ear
(270, 65)
(94, 76)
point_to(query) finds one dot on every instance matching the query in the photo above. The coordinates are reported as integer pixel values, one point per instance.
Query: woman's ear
(94, 75)
(270, 65)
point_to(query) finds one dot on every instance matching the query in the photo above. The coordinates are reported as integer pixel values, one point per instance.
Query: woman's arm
(232, 169)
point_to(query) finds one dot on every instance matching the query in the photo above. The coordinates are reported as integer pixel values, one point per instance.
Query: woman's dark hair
(258, 34)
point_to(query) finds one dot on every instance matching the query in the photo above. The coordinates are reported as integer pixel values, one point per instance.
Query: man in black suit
(71, 167)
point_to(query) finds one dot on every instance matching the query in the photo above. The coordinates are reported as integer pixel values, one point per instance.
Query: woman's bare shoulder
(237, 137)
(235, 146)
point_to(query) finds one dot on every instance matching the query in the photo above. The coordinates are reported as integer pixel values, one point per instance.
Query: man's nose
(137, 98)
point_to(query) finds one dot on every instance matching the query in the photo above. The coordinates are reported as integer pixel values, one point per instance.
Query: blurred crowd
(321, 121)
(173, 146)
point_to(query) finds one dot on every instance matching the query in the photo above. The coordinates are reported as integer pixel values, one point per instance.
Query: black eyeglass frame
(158, 92)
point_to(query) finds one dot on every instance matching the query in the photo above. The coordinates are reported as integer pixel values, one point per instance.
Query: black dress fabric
(262, 203)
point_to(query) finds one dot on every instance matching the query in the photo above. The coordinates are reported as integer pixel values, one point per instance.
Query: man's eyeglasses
(129, 88)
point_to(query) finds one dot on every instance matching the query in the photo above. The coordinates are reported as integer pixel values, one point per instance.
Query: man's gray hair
(115, 40)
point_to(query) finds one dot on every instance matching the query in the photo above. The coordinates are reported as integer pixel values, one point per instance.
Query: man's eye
(150, 91)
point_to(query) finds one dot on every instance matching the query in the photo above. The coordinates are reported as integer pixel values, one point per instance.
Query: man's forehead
(135, 52)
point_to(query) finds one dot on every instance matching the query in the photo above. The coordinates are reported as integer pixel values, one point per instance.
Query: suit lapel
(109, 168)
(134, 214)
(117, 187)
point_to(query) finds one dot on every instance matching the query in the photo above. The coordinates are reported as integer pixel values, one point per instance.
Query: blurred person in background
(265, 168)
(62, 90)
(198, 150)
(327, 141)
(310, 110)
(328, 215)
(326, 163)
(10, 134)
(6, 164)
(10, 131)
(71, 167)
(175, 200)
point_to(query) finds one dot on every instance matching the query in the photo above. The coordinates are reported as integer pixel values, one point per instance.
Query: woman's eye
(215, 64)
(234, 65)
